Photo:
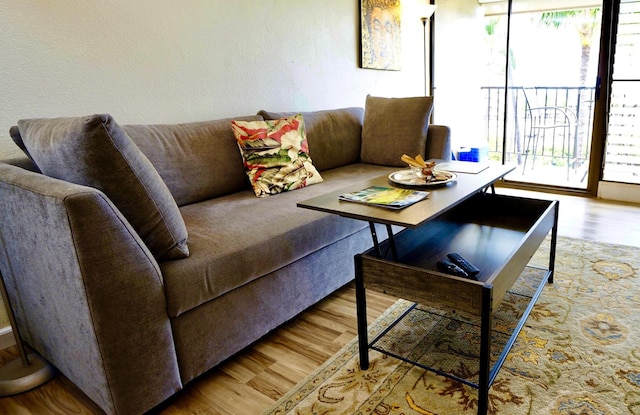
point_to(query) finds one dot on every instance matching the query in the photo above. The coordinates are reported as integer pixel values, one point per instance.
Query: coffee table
(499, 234)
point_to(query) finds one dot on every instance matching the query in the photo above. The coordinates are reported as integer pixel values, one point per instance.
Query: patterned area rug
(579, 353)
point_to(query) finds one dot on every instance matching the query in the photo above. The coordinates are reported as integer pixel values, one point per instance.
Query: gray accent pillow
(14, 132)
(393, 127)
(94, 151)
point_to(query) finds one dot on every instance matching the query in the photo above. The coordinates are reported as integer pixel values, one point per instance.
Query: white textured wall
(166, 61)
(459, 70)
(147, 61)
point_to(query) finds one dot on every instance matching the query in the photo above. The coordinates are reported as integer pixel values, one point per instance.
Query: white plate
(407, 178)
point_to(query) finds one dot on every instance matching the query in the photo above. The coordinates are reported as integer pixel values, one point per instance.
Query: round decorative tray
(407, 178)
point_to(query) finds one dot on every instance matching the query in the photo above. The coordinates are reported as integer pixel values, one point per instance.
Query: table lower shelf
(448, 343)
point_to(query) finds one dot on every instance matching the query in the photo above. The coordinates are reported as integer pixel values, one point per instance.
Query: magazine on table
(387, 197)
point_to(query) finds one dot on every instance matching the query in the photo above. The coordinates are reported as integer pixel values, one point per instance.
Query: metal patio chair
(544, 124)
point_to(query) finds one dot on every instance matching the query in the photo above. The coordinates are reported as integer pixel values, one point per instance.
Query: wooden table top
(441, 199)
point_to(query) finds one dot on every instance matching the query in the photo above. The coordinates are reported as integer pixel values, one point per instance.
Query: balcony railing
(546, 127)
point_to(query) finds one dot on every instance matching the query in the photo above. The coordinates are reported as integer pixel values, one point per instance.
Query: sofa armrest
(438, 142)
(87, 293)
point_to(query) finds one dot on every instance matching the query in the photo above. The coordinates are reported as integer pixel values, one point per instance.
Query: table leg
(486, 189)
(361, 311)
(374, 236)
(392, 243)
(485, 351)
(554, 240)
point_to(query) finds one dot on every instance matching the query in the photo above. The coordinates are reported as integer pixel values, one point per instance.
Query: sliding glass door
(539, 93)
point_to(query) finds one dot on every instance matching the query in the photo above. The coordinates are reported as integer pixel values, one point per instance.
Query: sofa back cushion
(334, 136)
(94, 151)
(198, 160)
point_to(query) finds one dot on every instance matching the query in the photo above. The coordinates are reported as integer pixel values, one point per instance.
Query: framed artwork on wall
(380, 35)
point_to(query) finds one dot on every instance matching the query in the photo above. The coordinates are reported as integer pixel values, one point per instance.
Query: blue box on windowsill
(475, 154)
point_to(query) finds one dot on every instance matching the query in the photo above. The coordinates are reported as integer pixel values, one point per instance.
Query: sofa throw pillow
(393, 127)
(14, 132)
(275, 154)
(94, 151)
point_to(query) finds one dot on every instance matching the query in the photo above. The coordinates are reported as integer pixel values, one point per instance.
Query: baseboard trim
(6, 338)
(621, 192)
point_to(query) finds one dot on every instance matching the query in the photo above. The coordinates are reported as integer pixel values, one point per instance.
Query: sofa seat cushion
(237, 238)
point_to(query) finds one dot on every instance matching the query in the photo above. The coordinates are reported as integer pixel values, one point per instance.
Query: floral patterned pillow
(275, 154)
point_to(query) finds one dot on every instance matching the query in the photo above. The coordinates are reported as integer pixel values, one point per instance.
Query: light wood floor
(255, 378)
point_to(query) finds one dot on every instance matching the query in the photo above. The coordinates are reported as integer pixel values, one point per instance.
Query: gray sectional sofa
(130, 324)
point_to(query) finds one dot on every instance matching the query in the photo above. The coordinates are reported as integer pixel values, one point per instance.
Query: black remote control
(467, 266)
(451, 268)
